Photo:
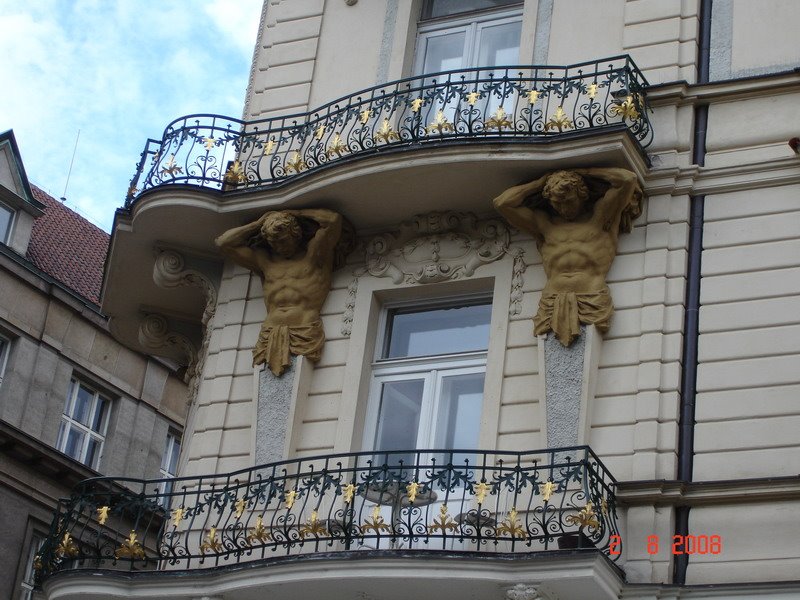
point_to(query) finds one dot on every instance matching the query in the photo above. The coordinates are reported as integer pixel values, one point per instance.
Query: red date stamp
(681, 544)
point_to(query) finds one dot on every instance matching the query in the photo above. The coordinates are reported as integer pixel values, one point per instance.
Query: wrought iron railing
(498, 103)
(466, 500)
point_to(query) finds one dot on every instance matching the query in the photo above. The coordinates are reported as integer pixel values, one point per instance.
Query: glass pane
(398, 418)
(100, 415)
(459, 418)
(442, 8)
(444, 52)
(93, 453)
(439, 331)
(83, 403)
(499, 45)
(5, 223)
(70, 393)
(74, 444)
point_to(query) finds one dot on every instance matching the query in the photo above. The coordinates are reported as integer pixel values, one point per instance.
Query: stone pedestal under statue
(568, 376)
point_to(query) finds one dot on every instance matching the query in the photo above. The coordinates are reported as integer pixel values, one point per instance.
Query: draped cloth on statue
(563, 312)
(277, 343)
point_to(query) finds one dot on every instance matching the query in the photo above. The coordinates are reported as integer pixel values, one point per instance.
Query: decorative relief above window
(437, 246)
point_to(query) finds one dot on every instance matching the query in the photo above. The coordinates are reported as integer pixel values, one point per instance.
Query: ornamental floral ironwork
(470, 501)
(497, 103)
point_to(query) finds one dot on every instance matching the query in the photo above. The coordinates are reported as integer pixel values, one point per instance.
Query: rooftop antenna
(72, 160)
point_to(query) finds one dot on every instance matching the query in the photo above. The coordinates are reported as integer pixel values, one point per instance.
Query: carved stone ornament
(156, 335)
(169, 271)
(576, 218)
(434, 247)
(523, 591)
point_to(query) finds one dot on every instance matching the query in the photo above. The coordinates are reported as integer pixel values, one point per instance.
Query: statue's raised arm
(293, 252)
(514, 205)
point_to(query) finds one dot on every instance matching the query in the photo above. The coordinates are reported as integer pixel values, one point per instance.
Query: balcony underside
(344, 576)
(374, 192)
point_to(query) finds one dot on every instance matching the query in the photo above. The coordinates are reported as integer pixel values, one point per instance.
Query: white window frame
(472, 24)
(5, 236)
(27, 584)
(68, 422)
(165, 487)
(430, 368)
(5, 350)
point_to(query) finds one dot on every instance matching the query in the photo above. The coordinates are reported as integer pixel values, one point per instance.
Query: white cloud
(120, 71)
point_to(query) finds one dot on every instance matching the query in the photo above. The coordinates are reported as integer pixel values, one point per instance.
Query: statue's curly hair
(559, 178)
(294, 224)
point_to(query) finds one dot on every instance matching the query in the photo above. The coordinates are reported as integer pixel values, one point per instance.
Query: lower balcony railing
(465, 500)
(522, 103)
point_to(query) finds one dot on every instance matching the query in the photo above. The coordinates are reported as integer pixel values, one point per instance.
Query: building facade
(74, 402)
(431, 442)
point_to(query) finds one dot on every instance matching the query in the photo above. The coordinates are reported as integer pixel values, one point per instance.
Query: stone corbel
(170, 271)
(159, 336)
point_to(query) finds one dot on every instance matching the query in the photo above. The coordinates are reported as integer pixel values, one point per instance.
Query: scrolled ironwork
(456, 500)
(497, 103)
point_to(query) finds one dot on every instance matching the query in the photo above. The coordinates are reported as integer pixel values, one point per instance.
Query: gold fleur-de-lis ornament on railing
(481, 490)
(498, 120)
(376, 523)
(444, 523)
(626, 109)
(235, 173)
(591, 91)
(130, 548)
(412, 489)
(319, 132)
(472, 98)
(67, 547)
(547, 489)
(440, 123)
(511, 526)
(269, 147)
(212, 543)
(102, 514)
(416, 104)
(239, 508)
(171, 168)
(559, 121)
(209, 142)
(258, 533)
(289, 498)
(337, 146)
(533, 96)
(348, 492)
(177, 516)
(313, 526)
(386, 133)
(364, 115)
(586, 517)
(296, 162)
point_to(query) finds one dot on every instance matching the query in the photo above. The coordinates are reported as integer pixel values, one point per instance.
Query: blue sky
(119, 71)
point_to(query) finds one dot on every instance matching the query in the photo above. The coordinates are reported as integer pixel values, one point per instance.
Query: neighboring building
(74, 402)
(689, 400)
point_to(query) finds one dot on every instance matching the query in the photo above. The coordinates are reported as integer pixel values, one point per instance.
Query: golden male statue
(577, 238)
(294, 252)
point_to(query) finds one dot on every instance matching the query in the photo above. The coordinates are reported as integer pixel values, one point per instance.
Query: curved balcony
(515, 103)
(465, 501)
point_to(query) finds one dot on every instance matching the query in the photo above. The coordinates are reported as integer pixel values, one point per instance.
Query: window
(169, 466)
(83, 424)
(6, 220)
(474, 40)
(5, 345)
(37, 539)
(427, 387)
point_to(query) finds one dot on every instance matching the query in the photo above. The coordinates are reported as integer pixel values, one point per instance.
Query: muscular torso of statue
(287, 283)
(576, 256)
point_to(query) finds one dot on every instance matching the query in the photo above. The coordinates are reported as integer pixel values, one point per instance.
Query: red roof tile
(68, 247)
